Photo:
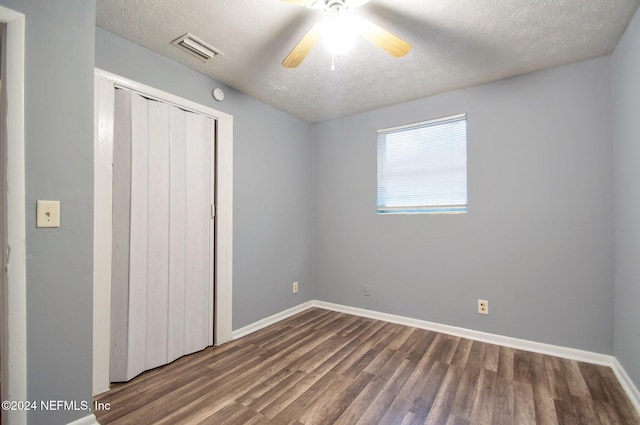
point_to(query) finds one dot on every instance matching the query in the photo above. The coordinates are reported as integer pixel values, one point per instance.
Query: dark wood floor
(322, 367)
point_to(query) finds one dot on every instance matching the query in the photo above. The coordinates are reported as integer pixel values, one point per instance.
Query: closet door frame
(105, 85)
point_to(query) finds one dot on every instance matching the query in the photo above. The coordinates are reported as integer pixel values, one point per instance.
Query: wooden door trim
(14, 344)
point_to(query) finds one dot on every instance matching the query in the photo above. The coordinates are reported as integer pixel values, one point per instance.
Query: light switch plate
(48, 214)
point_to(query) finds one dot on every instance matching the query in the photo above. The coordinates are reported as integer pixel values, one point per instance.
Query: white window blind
(422, 168)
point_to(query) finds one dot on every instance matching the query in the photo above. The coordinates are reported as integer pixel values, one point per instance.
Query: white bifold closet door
(162, 267)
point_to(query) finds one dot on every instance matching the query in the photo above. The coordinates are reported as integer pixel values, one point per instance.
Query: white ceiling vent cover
(196, 47)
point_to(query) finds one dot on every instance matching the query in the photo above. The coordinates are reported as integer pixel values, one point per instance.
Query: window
(422, 168)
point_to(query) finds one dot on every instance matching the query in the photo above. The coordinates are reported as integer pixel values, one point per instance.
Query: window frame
(422, 209)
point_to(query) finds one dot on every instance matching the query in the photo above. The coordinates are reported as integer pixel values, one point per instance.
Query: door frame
(14, 332)
(103, 173)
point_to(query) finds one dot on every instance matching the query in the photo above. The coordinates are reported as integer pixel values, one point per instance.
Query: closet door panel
(138, 236)
(198, 256)
(158, 234)
(121, 206)
(212, 249)
(177, 233)
(163, 252)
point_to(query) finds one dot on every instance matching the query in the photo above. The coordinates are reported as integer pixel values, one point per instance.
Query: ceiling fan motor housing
(332, 4)
(332, 7)
(336, 33)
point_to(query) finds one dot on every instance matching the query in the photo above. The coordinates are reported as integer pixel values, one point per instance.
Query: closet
(162, 267)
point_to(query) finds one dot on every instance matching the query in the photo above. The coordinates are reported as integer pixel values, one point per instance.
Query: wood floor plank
(566, 412)
(606, 413)
(454, 420)
(558, 382)
(379, 404)
(285, 398)
(503, 402)
(285, 338)
(334, 323)
(524, 410)
(482, 410)
(306, 318)
(379, 361)
(183, 369)
(441, 350)
(491, 357)
(603, 385)
(575, 380)
(326, 410)
(321, 367)
(505, 363)
(466, 393)
(476, 355)
(364, 327)
(417, 394)
(351, 327)
(360, 347)
(362, 363)
(585, 412)
(361, 404)
(418, 343)
(523, 367)
(445, 398)
(306, 399)
(266, 390)
(400, 338)
(427, 390)
(543, 399)
(312, 359)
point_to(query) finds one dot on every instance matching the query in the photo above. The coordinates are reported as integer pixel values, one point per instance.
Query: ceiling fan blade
(357, 3)
(303, 3)
(382, 38)
(302, 49)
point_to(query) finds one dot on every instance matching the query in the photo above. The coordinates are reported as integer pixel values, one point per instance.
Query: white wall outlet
(483, 306)
(367, 290)
(295, 287)
(48, 214)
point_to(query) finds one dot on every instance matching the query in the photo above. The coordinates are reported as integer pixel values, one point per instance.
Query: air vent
(196, 47)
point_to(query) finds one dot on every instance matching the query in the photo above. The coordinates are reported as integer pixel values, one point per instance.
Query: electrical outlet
(367, 290)
(295, 287)
(483, 307)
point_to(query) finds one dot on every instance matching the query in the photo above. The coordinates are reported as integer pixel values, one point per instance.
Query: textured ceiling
(456, 43)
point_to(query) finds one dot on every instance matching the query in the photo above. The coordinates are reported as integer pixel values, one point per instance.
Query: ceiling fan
(339, 31)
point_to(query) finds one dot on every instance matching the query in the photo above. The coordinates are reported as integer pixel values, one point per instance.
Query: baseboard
(102, 391)
(268, 321)
(521, 344)
(87, 420)
(627, 384)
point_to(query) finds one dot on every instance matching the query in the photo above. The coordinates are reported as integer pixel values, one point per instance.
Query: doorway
(13, 381)
(105, 187)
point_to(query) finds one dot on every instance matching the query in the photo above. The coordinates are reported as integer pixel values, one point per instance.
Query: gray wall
(626, 130)
(59, 151)
(537, 241)
(272, 180)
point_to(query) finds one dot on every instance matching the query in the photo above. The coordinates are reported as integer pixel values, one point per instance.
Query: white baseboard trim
(268, 321)
(627, 384)
(521, 344)
(87, 420)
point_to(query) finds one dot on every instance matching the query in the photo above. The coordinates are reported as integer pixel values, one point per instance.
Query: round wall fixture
(218, 95)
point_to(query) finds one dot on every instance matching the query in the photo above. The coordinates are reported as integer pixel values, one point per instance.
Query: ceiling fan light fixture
(339, 35)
